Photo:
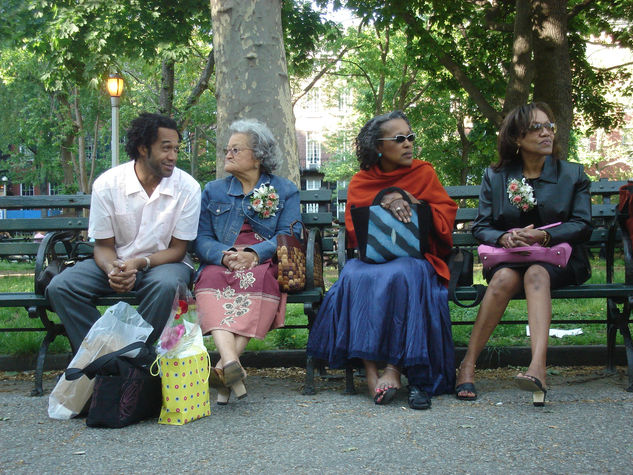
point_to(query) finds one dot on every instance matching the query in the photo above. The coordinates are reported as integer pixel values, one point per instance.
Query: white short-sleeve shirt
(142, 225)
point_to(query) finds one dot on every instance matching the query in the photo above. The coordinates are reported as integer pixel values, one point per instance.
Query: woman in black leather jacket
(509, 217)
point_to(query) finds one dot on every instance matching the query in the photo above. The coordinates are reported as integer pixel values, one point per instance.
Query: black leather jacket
(562, 193)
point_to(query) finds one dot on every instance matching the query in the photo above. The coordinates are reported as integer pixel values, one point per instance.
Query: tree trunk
(201, 86)
(522, 68)
(67, 141)
(251, 75)
(93, 156)
(384, 51)
(194, 153)
(552, 81)
(166, 99)
(80, 164)
(466, 146)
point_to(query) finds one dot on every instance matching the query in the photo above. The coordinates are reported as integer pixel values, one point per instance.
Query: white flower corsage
(521, 194)
(265, 201)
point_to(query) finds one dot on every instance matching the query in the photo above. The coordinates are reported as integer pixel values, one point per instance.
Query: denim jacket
(224, 209)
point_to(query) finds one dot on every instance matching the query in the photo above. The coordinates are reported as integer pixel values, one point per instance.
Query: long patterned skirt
(245, 302)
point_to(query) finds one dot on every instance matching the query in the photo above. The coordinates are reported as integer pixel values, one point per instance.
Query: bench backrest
(316, 212)
(602, 209)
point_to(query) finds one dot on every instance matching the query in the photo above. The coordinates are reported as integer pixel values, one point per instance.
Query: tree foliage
(502, 54)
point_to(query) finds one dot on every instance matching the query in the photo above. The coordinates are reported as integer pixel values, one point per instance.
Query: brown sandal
(234, 376)
(216, 378)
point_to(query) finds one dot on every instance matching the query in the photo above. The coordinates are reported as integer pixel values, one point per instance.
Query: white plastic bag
(119, 326)
(182, 336)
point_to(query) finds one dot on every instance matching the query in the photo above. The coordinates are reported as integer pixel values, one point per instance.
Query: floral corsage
(265, 201)
(521, 194)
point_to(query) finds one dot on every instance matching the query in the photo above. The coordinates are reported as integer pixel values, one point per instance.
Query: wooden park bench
(63, 231)
(607, 236)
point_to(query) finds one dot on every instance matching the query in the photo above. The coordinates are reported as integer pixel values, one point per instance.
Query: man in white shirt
(142, 215)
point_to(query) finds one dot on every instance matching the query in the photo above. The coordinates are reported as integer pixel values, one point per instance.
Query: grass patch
(27, 343)
(562, 309)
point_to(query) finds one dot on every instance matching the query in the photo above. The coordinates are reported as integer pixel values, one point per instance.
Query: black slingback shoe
(419, 399)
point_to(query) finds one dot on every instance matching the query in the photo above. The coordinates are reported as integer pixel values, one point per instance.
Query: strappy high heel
(534, 385)
(468, 387)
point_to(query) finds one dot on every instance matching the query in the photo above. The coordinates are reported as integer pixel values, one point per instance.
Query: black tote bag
(125, 392)
(382, 237)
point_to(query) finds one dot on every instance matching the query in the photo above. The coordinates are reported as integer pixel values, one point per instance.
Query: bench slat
(43, 224)
(45, 201)
(588, 291)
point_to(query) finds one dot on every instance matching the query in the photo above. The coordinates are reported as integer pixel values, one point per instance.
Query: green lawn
(504, 335)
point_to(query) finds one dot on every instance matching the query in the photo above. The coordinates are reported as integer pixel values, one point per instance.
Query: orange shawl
(421, 181)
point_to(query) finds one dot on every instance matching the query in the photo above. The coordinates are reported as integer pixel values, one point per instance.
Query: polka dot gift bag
(184, 366)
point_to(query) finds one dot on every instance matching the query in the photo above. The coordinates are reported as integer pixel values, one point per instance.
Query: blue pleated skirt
(395, 313)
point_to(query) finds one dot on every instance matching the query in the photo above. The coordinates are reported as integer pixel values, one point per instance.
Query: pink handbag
(557, 255)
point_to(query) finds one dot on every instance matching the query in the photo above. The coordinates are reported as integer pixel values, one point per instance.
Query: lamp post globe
(115, 89)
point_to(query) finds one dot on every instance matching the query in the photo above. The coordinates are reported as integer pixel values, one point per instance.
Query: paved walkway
(586, 427)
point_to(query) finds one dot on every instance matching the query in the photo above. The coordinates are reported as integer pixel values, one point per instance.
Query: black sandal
(385, 395)
(419, 399)
(466, 387)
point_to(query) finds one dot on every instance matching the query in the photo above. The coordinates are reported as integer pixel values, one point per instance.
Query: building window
(341, 211)
(313, 151)
(313, 183)
(312, 102)
(27, 190)
(312, 207)
(54, 189)
(344, 100)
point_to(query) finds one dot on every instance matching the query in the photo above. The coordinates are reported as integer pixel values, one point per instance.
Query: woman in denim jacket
(241, 215)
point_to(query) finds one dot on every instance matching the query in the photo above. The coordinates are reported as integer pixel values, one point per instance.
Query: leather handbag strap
(93, 368)
(455, 265)
(303, 233)
(392, 189)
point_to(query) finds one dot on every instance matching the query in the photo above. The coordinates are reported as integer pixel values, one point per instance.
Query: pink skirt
(245, 302)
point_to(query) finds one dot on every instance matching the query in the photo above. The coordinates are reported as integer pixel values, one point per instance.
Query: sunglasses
(401, 138)
(537, 126)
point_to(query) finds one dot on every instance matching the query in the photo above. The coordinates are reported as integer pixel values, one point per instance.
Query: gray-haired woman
(236, 289)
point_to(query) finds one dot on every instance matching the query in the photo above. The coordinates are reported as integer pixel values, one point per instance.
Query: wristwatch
(146, 268)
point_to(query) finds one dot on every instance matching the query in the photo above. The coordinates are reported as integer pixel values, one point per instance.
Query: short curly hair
(144, 131)
(262, 140)
(515, 126)
(367, 138)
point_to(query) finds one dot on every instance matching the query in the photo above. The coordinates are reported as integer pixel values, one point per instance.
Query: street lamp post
(115, 89)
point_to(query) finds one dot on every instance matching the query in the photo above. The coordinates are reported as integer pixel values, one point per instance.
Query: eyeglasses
(234, 150)
(537, 126)
(400, 138)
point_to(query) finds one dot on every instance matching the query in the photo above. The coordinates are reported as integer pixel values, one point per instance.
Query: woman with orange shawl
(394, 313)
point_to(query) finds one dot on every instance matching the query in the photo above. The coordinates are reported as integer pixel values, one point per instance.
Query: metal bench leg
(613, 314)
(349, 380)
(52, 332)
(308, 386)
(628, 343)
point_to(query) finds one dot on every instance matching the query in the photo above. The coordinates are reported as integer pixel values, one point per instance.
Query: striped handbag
(382, 237)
